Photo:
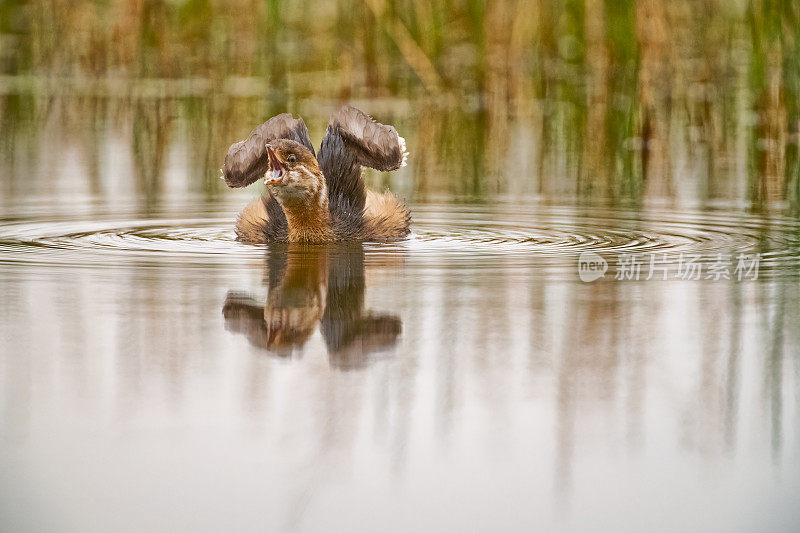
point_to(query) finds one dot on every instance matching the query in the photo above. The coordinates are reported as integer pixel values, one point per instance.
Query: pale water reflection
(156, 375)
(429, 384)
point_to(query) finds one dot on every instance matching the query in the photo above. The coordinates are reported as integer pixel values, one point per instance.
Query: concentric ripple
(544, 237)
(110, 242)
(552, 238)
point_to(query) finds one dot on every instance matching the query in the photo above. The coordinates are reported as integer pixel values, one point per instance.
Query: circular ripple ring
(548, 237)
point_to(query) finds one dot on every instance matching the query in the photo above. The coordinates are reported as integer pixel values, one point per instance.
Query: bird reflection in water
(310, 284)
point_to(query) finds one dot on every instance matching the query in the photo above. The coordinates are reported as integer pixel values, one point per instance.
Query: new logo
(591, 266)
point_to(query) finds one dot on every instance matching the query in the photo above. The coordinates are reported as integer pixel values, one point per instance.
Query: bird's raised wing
(352, 140)
(247, 160)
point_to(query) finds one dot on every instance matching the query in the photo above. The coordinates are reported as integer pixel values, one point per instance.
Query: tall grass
(624, 100)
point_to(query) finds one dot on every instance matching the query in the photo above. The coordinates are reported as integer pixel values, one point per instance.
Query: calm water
(156, 375)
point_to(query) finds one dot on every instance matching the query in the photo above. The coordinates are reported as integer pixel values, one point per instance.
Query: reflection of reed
(654, 75)
(588, 369)
(628, 99)
(151, 127)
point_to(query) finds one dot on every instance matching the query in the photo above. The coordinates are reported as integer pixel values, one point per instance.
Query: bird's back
(354, 140)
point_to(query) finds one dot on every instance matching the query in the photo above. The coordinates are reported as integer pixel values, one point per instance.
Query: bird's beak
(276, 171)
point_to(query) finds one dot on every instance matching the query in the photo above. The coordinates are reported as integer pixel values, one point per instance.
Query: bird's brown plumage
(320, 198)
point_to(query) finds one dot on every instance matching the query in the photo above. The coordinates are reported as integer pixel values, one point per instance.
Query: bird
(318, 197)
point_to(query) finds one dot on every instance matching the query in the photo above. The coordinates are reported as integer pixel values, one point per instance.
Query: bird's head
(294, 176)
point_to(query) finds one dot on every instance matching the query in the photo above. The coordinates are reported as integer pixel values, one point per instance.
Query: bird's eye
(291, 158)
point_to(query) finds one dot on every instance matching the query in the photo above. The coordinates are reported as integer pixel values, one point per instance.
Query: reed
(629, 100)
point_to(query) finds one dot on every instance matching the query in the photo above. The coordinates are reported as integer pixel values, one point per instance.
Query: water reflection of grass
(627, 100)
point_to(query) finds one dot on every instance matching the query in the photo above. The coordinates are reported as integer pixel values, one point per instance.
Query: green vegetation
(599, 100)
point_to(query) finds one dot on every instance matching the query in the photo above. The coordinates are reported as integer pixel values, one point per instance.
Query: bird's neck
(310, 221)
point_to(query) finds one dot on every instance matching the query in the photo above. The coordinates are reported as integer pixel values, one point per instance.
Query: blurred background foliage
(621, 101)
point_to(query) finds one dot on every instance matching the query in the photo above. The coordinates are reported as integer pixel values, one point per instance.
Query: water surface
(156, 375)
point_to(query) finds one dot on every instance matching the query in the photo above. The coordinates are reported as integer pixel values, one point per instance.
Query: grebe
(318, 198)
